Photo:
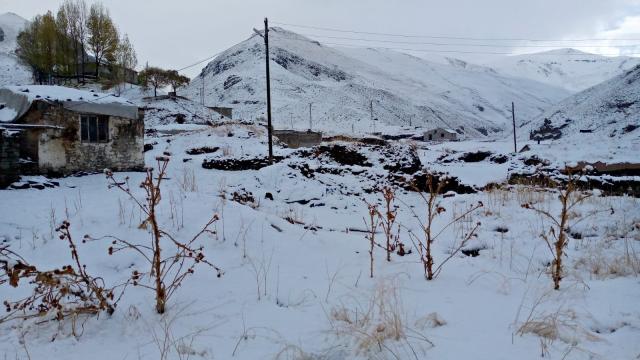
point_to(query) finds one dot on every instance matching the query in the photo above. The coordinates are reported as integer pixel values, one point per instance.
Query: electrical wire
(453, 44)
(201, 61)
(360, 46)
(448, 37)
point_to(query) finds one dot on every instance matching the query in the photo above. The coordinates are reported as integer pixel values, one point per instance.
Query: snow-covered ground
(296, 279)
(291, 238)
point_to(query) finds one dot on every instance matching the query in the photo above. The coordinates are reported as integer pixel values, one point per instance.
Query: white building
(440, 134)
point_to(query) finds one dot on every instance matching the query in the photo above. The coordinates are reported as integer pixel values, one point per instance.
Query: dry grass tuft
(379, 327)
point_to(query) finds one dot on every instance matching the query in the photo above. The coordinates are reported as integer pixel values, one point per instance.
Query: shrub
(59, 294)
(167, 271)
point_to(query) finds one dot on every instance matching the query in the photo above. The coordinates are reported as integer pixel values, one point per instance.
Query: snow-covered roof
(450, 131)
(18, 99)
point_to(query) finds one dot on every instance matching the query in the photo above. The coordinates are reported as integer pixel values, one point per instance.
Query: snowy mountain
(12, 71)
(610, 109)
(570, 69)
(348, 87)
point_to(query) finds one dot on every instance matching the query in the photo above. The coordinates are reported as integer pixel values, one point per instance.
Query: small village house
(440, 134)
(54, 130)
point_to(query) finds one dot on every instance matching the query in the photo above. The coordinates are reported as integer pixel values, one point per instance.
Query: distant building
(55, 130)
(295, 139)
(440, 134)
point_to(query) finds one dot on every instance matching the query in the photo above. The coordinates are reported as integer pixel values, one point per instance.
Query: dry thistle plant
(372, 227)
(557, 239)
(166, 271)
(387, 222)
(58, 294)
(434, 208)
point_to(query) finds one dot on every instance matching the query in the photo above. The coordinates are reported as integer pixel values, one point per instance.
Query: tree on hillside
(153, 77)
(55, 46)
(75, 12)
(65, 59)
(125, 60)
(176, 80)
(102, 35)
(38, 45)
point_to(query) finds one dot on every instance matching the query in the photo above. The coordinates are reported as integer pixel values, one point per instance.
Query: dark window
(94, 128)
(441, 135)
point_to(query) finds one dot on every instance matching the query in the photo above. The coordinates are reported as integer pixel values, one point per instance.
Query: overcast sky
(174, 34)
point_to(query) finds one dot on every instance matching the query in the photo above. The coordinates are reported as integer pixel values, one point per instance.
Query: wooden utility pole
(202, 91)
(513, 116)
(372, 121)
(266, 51)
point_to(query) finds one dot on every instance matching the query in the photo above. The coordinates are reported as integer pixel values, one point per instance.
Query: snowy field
(296, 282)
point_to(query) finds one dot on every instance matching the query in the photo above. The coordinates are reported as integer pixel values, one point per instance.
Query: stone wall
(60, 150)
(9, 157)
(295, 139)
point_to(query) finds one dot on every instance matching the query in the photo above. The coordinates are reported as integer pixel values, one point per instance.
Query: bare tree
(125, 62)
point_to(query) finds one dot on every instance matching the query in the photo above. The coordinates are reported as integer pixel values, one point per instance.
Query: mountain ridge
(345, 85)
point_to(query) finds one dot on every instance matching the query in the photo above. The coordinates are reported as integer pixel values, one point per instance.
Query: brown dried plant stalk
(166, 271)
(429, 236)
(65, 292)
(372, 227)
(556, 239)
(387, 222)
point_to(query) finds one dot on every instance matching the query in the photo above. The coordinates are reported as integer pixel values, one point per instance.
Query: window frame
(94, 129)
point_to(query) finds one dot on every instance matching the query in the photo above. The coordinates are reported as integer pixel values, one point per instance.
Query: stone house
(440, 134)
(56, 131)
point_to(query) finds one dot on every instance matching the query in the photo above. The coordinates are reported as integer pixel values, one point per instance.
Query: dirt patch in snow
(343, 155)
(451, 183)
(239, 164)
(203, 150)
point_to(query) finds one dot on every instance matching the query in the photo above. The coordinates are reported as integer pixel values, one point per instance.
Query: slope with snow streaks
(344, 84)
(610, 109)
(12, 71)
(570, 69)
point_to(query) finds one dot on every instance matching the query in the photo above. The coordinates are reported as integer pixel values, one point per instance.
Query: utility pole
(266, 51)
(202, 91)
(513, 116)
(372, 122)
(310, 122)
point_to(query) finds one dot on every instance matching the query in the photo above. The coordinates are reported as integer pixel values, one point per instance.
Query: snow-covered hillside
(570, 69)
(610, 109)
(12, 71)
(601, 123)
(344, 84)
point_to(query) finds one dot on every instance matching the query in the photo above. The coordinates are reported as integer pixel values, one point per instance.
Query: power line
(361, 46)
(201, 61)
(449, 37)
(454, 44)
